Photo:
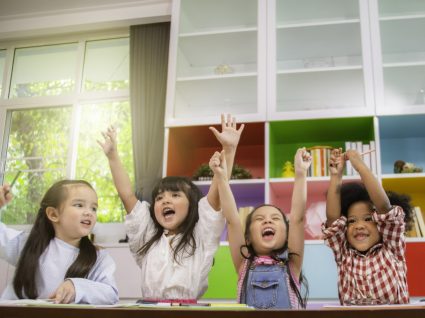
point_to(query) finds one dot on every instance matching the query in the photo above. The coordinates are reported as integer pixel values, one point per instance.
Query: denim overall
(266, 285)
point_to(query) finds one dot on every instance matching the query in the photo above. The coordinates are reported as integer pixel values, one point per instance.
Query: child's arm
(298, 206)
(119, 175)
(373, 186)
(5, 195)
(333, 197)
(236, 237)
(229, 139)
(98, 288)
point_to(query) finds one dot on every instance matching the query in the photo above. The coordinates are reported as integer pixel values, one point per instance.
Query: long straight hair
(186, 244)
(24, 282)
(250, 254)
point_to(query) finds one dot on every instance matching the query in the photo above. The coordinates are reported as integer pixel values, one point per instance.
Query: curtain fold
(148, 82)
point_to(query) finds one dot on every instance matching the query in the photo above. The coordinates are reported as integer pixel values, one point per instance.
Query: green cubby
(285, 137)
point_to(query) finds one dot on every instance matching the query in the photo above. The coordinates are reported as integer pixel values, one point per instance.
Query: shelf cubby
(287, 136)
(189, 147)
(307, 11)
(210, 16)
(402, 138)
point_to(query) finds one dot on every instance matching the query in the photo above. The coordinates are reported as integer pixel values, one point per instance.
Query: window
(44, 71)
(61, 97)
(2, 61)
(107, 65)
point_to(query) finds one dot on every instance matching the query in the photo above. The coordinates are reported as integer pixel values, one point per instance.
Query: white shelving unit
(301, 73)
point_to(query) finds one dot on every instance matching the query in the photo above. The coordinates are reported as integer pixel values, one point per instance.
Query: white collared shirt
(162, 277)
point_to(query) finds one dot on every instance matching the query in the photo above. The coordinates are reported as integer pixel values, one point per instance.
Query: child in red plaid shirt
(368, 239)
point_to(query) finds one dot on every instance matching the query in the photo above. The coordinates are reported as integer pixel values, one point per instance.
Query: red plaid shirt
(379, 276)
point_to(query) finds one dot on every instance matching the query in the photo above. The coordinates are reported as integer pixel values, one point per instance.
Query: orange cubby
(189, 147)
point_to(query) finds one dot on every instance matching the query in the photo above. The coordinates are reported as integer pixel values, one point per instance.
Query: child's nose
(359, 224)
(165, 199)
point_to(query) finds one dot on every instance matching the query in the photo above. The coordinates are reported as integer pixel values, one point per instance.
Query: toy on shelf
(288, 170)
(223, 69)
(401, 166)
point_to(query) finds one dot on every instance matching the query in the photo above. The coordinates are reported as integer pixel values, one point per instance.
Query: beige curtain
(148, 80)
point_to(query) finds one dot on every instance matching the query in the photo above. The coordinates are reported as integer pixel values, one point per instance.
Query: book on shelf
(414, 230)
(319, 161)
(421, 223)
(366, 156)
(373, 161)
(348, 166)
(369, 158)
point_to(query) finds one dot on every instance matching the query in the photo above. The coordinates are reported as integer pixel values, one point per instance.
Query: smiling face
(76, 216)
(171, 209)
(267, 231)
(362, 232)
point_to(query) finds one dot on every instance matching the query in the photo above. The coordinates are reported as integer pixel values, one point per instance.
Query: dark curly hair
(403, 201)
(353, 192)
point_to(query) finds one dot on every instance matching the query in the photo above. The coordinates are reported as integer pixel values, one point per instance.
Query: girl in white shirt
(57, 260)
(174, 239)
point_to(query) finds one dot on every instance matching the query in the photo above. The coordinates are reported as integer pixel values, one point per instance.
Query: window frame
(75, 100)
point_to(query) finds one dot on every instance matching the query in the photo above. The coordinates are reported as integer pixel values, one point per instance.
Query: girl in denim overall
(268, 257)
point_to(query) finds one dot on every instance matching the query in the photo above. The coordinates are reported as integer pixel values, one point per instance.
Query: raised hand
(355, 158)
(302, 161)
(5, 195)
(336, 162)
(229, 135)
(65, 293)
(109, 145)
(218, 164)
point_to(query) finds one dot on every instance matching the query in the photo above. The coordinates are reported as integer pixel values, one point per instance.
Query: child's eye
(368, 219)
(276, 218)
(94, 210)
(351, 221)
(78, 205)
(176, 194)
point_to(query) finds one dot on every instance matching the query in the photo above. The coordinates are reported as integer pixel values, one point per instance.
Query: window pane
(44, 71)
(2, 60)
(92, 164)
(106, 66)
(38, 146)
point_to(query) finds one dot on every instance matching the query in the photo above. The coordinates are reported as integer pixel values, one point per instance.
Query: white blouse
(162, 277)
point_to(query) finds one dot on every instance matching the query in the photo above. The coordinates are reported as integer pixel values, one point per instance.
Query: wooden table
(86, 312)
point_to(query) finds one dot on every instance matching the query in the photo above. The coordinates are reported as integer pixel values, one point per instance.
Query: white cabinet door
(217, 61)
(399, 52)
(319, 60)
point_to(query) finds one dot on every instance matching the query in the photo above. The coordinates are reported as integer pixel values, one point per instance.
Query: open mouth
(168, 213)
(86, 222)
(268, 233)
(361, 236)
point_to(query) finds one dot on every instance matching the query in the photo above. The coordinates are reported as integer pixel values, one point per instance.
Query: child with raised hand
(174, 239)
(366, 235)
(269, 256)
(57, 260)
